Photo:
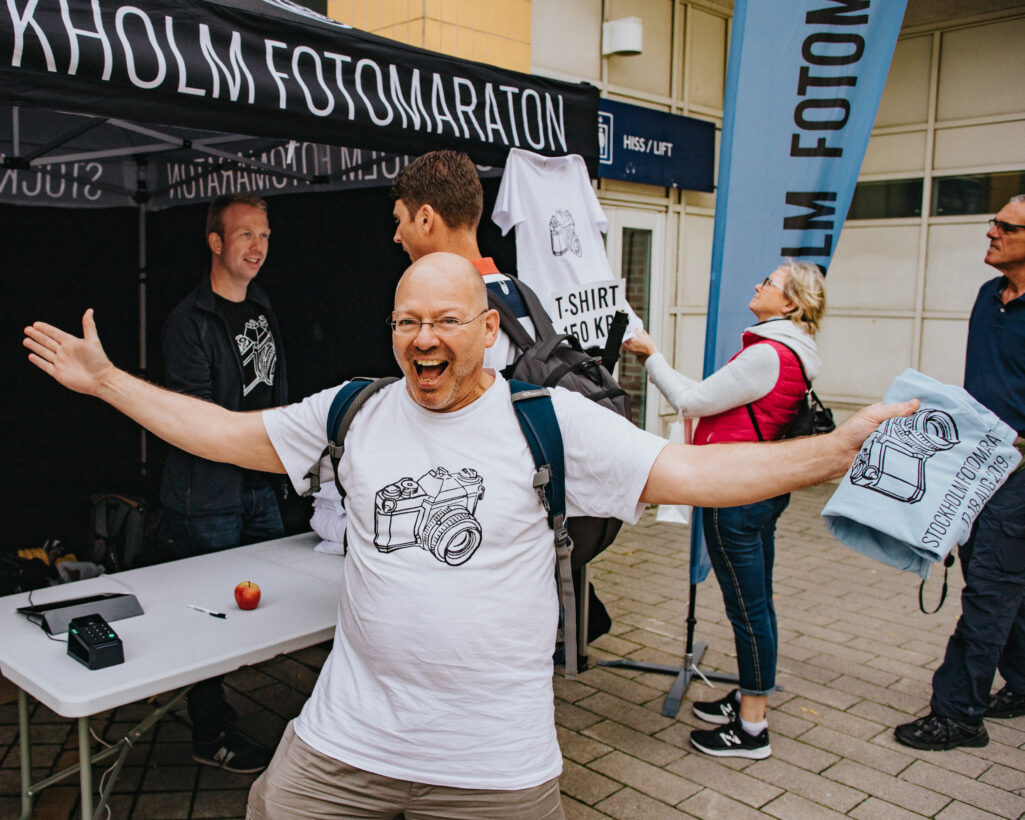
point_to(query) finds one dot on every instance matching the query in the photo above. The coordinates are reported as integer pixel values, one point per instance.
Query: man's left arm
(726, 475)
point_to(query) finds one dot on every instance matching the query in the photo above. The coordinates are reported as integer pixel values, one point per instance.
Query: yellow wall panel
(497, 33)
(432, 35)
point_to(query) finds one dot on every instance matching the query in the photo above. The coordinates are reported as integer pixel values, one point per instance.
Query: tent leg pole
(143, 364)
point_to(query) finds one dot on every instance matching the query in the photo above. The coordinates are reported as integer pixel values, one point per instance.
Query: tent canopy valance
(199, 77)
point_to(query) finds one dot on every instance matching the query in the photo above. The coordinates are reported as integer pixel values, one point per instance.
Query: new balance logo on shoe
(732, 741)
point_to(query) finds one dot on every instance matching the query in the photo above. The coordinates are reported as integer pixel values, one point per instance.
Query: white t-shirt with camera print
(441, 670)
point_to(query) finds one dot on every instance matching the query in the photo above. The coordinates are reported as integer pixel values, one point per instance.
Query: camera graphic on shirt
(434, 513)
(893, 460)
(564, 235)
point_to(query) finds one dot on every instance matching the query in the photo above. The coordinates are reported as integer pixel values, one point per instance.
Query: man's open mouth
(429, 370)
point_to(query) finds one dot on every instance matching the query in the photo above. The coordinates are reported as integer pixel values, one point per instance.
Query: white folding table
(170, 646)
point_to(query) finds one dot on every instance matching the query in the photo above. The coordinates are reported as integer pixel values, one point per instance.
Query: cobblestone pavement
(856, 657)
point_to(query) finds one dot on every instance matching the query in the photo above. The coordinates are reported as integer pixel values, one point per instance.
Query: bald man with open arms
(436, 700)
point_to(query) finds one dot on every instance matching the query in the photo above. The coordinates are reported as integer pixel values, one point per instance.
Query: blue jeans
(741, 545)
(192, 535)
(260, 520)
(990, 634)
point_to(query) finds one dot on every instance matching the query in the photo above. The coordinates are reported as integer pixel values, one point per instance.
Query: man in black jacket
(222, 343)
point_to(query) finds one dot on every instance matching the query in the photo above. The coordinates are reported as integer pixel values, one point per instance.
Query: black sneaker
(1006, 704)
(719, 712)
(732, 741)
(937, 733)
(233, 753)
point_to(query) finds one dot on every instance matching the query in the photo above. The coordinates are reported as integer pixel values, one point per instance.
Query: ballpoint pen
(207, 611)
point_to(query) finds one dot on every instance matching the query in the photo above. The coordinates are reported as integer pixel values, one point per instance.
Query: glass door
(635, 249)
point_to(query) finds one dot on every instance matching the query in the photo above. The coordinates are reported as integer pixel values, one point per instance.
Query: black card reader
(93, 643)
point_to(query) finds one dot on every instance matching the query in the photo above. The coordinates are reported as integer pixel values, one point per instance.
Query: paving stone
(58, 801)
(813, 787)
(579, 748)
(640, 745)
(875, 809)
(570, 690)
(966, 789)
(800, 754)
(827, 695)
(630, 805)
(1003, 777)
(823, 715)
(638, 717)
(575, 810)
(960, 811)
(788, 725)
(170, 778)
(879, 713)
(650, 779)
(171, 805)
(586, 785)
(793, 807)
(297, 675)
(894, 790)
(573, 717)
(910, 704)
(223, 805)
(715, 773)
(711, 805)
(870, 754)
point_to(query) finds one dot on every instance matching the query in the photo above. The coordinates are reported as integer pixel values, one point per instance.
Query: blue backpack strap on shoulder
(347, 402)
(536, 416)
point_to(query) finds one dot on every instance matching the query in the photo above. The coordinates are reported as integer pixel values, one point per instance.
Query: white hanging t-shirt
(559, 224)
(441, 672)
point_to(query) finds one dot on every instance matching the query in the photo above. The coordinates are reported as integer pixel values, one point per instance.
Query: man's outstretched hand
(78, 364)
(853, 432)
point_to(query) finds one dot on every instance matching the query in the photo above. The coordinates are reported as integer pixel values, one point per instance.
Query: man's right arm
(196, 426)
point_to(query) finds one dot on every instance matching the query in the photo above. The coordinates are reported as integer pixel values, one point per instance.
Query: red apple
(247, 595)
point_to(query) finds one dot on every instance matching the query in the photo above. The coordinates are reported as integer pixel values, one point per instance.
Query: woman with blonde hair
(752, 397)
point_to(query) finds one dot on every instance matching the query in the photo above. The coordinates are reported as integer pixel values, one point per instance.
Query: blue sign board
(644, 145)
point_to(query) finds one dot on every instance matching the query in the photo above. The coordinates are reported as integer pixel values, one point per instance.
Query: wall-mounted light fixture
(624, 37)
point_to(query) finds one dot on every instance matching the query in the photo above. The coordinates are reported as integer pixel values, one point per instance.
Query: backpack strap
(508, 321)
(807, 387)
(346, 404)
(538, 315)
(536, 416)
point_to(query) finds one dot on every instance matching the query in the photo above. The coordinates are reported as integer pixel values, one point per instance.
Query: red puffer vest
(774, 411)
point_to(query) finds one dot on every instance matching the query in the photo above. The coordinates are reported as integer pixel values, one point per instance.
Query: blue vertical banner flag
(803, 85)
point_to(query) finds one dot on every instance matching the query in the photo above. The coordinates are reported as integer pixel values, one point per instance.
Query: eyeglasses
(445, 326)
(1005, 227)
(768, 280)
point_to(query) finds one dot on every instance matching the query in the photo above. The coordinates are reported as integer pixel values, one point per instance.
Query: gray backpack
(557, 360)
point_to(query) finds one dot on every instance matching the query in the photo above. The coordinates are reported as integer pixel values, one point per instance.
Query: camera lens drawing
(434, 513)
(892, 462)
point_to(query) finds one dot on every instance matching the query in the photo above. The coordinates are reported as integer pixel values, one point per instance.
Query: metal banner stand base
(692, 657)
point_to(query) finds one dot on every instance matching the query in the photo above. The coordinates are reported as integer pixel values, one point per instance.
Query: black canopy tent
(134, 115)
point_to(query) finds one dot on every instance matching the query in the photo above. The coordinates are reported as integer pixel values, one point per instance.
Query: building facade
(947, 150)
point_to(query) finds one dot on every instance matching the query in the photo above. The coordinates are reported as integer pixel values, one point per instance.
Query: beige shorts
(302, 783)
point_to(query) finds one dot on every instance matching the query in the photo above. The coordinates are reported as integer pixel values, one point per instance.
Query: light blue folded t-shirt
(919, 482)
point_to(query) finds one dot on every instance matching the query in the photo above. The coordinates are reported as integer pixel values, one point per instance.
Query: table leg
(25, 746)
(85, 771)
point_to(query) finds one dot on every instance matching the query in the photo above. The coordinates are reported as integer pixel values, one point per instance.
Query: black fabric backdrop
(331, 273)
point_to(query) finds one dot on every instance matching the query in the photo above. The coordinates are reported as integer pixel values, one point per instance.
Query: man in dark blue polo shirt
(990, 635)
